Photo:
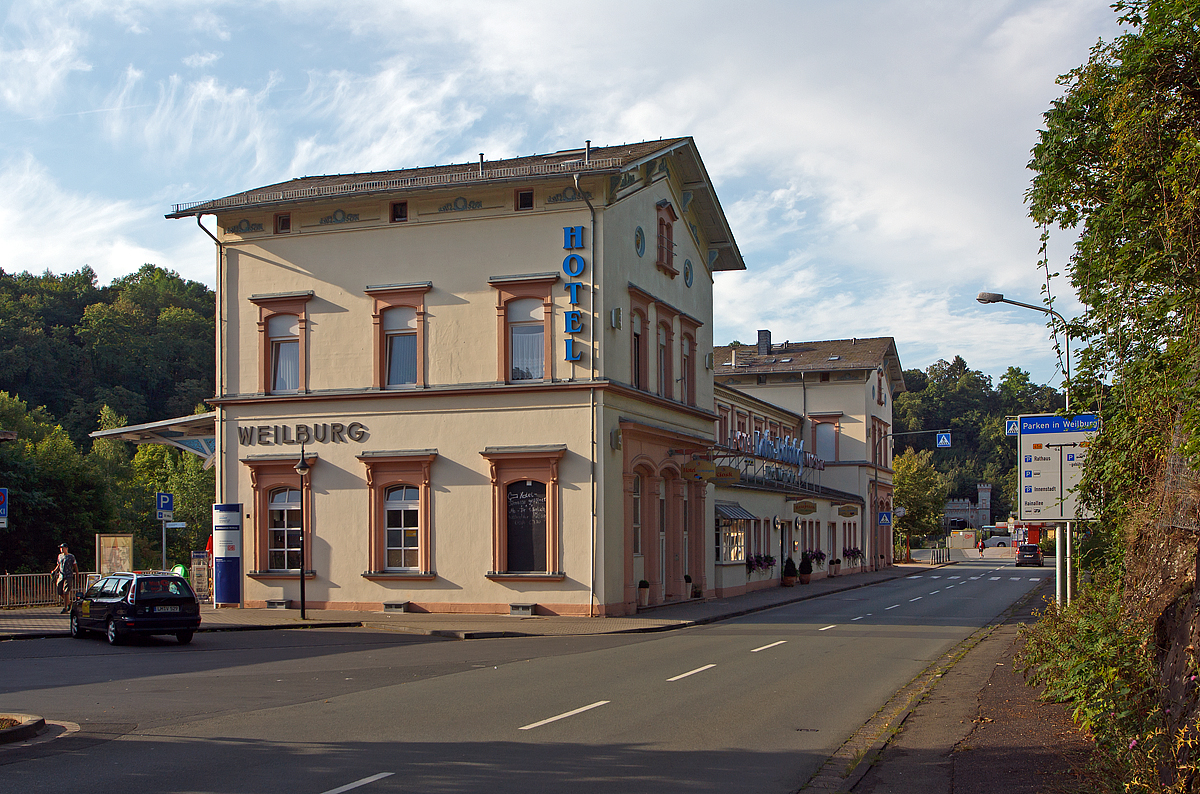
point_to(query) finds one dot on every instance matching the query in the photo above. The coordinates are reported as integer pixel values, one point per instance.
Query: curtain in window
(402, 359)
(528, 356)
(286, 366)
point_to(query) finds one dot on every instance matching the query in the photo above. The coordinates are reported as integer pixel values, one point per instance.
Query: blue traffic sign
(3, 503)
(885, 518)
(943, 440)
(1012, 427)
(164, 501)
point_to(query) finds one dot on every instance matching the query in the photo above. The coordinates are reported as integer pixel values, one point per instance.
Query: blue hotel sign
(574, 266)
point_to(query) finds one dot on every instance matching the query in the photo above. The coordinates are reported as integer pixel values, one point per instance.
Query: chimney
(587, 152)
(764, 343)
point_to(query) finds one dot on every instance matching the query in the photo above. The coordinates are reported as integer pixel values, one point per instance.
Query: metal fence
(34, 589)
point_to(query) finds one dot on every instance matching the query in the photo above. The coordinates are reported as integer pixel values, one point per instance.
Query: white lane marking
(690, 672)
(915, 576)
(827, 628)
(1035, 579)
(572, 713)
(935, 592)
(358, 783)
(949, 586)
(772, 645)
(860, 617)
(918, 598)
(893, 606)
(953, 577)
(935, 577)
(1014, 578)
(993, 578)
(976, 577)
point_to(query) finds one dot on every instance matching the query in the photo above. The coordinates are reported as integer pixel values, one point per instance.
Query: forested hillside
(76, 357)
(951, 395)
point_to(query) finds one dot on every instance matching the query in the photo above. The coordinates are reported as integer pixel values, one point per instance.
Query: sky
(870, 154)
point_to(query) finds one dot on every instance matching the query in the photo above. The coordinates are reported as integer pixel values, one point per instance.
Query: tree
(921, 490)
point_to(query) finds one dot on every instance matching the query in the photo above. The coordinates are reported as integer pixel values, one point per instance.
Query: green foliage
(951, 395)
(143, 345)
(921, 491)
(55, 495)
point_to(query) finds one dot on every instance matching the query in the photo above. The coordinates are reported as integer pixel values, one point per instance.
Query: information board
(1050, 464)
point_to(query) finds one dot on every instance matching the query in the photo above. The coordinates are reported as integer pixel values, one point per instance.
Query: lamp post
(1064, 591)
(302, 468)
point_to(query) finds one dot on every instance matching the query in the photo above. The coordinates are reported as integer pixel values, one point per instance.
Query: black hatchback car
(1030, 554)
(149, 602)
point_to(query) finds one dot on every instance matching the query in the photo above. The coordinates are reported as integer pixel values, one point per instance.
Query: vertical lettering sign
(526, 526)
(573, 266)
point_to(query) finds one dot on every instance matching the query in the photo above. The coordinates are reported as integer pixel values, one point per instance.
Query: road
(753, 704)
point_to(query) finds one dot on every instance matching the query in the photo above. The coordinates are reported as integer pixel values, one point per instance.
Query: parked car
(1002, 541)
(1030, 554)
(150, 602)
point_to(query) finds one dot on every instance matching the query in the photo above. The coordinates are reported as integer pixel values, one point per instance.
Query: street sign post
(943, 440)
(1012, 426)
(3, 508)
(164, 504)
(885, 518)
(1052, 452)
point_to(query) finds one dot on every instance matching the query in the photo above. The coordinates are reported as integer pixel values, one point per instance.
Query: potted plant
(643, 593)
(687, 585)
(805, 572)
(789, 572)
(835, 566)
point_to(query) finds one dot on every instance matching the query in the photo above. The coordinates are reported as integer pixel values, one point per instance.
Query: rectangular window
(283, 223)
(524, 200)
(402, 359)
(403, 523)
(285, 366)
(283, 538)
(399, 211)
(525, 526)
(528, 352)
(637, 514)
(732, 539)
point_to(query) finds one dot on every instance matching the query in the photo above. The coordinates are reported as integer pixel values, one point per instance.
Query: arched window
(283, 331)
(285, 522)
(402, 508)
(400, 335)
(636, 518)
(527, 350)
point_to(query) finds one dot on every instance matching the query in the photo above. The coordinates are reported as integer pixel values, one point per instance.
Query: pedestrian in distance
(980, 545)
(64, 572)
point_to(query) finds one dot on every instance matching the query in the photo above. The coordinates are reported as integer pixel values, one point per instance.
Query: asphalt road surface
(754, 704)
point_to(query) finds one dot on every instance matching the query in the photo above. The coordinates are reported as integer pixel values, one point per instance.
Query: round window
(688, 274)
(639, 241)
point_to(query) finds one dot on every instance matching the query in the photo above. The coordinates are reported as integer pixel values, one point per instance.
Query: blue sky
(870, 155)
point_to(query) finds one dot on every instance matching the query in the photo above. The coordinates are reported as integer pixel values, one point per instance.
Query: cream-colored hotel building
(499, 374)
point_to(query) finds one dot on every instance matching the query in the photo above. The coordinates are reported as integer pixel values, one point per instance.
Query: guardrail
(33, 589)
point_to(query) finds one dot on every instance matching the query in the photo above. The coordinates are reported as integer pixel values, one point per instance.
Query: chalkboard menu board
(526, 526)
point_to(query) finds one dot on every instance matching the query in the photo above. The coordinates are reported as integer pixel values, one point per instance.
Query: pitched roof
(831, 355)
(594, 160)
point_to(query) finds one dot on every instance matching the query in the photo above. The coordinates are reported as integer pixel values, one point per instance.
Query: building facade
(843, 389)
(490, 369)
(963, 513)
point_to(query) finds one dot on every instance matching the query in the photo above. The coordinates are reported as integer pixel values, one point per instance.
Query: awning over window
(733, 511)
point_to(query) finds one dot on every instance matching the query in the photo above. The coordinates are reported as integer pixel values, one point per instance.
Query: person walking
(980, 545)
(64, 572)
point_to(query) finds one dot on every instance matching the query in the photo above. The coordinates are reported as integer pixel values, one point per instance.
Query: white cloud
(46, 227)
(199, 60)
(39, 49)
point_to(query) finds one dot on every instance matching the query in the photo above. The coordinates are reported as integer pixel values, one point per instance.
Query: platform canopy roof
(196, 434)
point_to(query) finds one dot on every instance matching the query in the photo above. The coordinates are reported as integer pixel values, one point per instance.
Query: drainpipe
(220, 418)
(592, 320)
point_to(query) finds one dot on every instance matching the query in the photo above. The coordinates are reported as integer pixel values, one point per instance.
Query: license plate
(166, 609)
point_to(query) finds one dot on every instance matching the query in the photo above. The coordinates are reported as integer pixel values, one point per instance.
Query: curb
(31, 725)
(347, 624)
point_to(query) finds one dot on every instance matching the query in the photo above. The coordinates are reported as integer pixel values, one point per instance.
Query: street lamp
(302, 468)
(1063, 569)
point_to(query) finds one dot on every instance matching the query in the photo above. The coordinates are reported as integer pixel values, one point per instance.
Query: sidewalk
(37, 622)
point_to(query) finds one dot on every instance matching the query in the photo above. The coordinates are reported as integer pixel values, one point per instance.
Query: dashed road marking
(893, 606)
(689, 672)
(827, 628)
(357, 783)
(772, 645)
(571, 713)
(953, 577)
(918, 598)
(935, 592)
(993, 578)
(860, 617)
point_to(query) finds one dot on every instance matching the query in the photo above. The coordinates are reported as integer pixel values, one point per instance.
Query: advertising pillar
(227, 554)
